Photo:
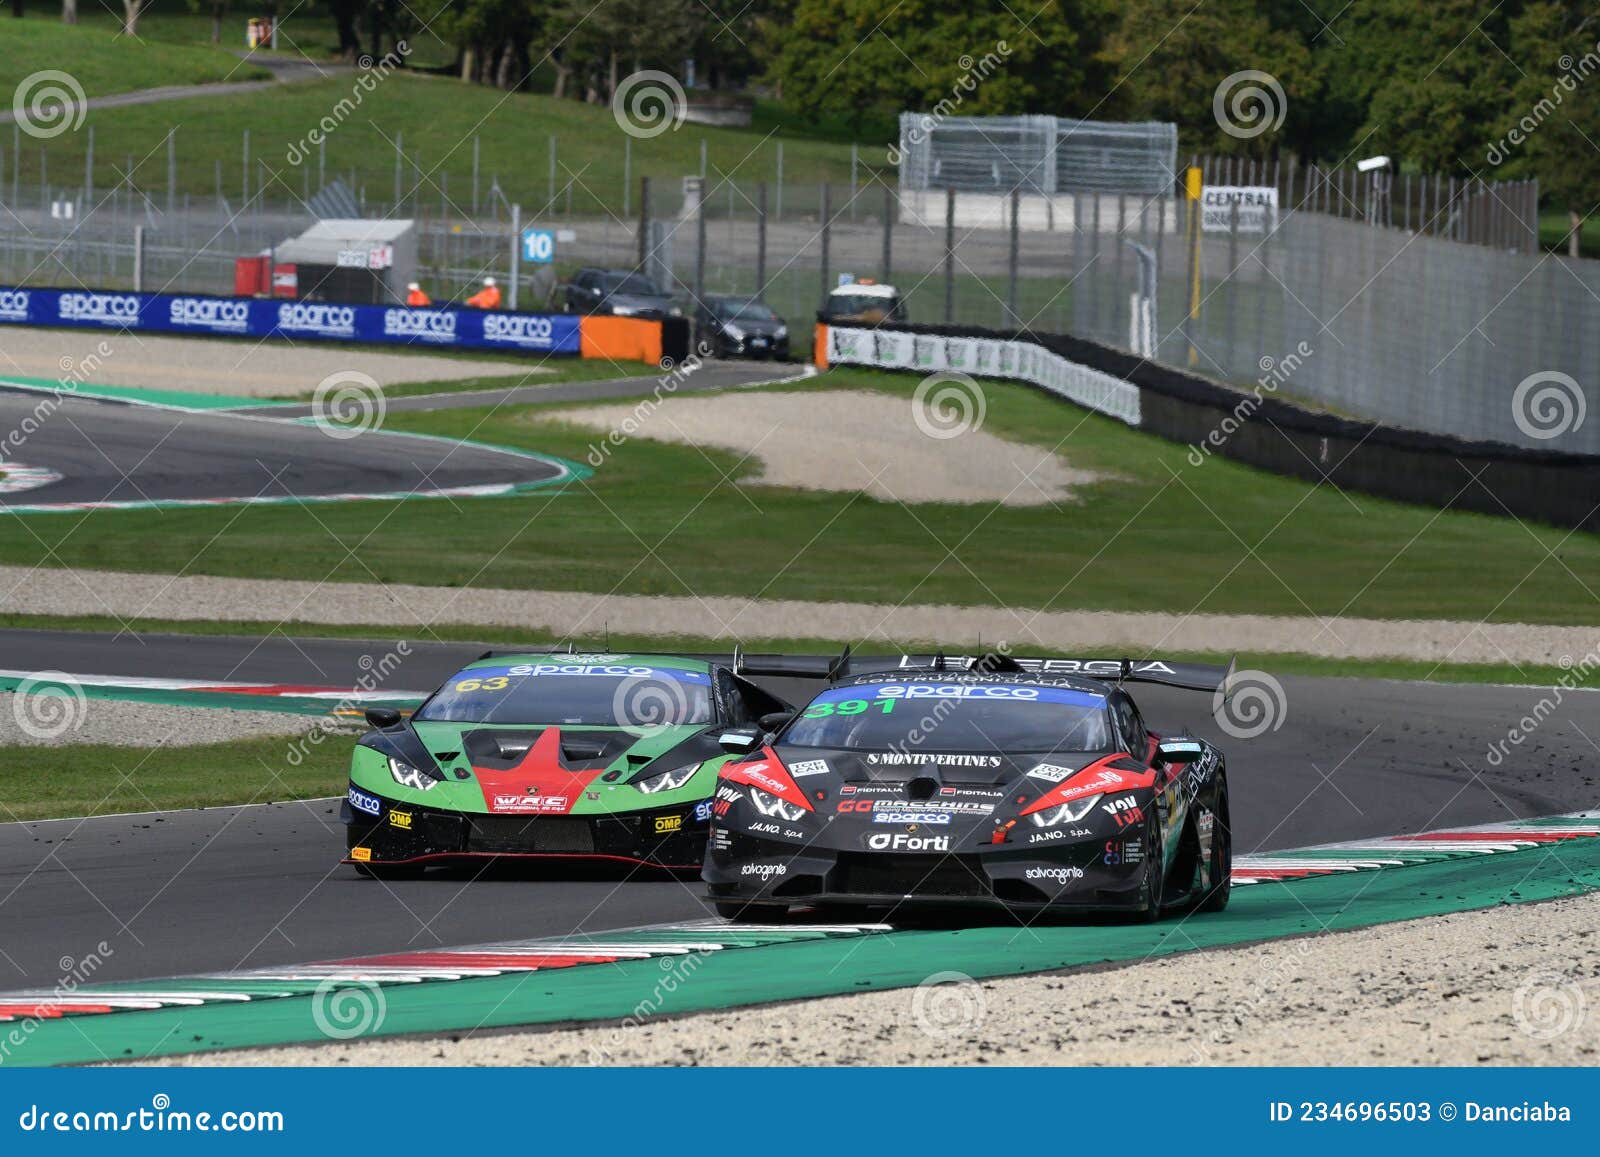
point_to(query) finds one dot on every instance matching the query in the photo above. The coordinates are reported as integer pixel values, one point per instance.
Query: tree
(1232, 80)
(130, 16)
(1553, 128)
(69, 11)
(859, 58)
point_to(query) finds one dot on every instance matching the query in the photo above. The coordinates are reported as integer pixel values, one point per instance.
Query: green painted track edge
(643, 989)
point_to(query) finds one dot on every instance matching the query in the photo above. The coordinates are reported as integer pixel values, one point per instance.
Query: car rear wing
(1190, 676)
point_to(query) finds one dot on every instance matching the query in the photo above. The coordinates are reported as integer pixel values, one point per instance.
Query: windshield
(848, 303)
(617, 694)
(957, 717)
(630, 283)
(746, 311)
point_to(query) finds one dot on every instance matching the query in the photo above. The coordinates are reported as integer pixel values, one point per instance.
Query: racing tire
(1221, 860)
(1153, 891)
(741, 913)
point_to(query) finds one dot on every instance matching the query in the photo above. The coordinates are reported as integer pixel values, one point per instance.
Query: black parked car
(740, 327)
(617, 292)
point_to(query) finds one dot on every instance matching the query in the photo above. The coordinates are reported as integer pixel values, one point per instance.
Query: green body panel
(369, 769)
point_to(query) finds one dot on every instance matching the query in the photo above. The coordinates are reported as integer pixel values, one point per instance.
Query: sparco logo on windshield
(428, 324)
(210, 312)
(311, 317)
(116, 308)
(14, 304)
(520, 329)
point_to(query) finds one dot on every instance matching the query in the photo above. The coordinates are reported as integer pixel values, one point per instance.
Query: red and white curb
(139, 687)
(1422, 848)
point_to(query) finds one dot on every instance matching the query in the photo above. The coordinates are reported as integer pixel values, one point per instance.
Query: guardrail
(1253, 427)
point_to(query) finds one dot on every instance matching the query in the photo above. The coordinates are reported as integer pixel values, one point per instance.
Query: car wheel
(1153, 892)
(1221, 860)
(751, 913)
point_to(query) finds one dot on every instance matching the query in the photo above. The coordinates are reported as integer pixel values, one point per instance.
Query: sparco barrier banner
(300, 320)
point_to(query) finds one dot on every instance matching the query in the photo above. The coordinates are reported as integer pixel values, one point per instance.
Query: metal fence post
(777, 208)
(138, 258)
(627, 173)
(852, 180)
(700, 245)
(550, 201)
(644, 222)
(475, 143)
(172, 169)
(516, 251)
(885, 262)
(244, 173)
(761, 239)
(88, 166)
(949, 256)
(1233, 287)
(825, 215)
(1013, 319)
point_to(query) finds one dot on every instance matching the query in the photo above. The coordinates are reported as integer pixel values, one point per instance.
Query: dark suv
(617, 292)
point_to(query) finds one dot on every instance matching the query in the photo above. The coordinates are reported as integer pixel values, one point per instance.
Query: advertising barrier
(165, 313)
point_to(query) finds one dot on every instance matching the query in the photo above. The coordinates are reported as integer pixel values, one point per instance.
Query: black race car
(1023, 784)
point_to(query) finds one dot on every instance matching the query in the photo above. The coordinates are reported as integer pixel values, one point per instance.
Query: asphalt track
(234, 887)
(109, 450)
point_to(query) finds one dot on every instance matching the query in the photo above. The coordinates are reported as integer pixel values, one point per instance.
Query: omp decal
(1422, 848)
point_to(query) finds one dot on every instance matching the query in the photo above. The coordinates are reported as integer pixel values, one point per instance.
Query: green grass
(98, 779)
(500, 637)
(104, 63)
(664, 519)
(548, 373)
(1554, 229)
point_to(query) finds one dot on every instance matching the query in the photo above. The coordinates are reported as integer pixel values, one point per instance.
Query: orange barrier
(819, 352)
(620, 338)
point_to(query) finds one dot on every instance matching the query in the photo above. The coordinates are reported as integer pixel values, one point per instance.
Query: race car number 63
(1357, 1111)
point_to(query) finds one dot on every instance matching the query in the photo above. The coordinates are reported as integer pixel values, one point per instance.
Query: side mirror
(739, 741)
(775, 720)
(382, 717)
(1171, 752)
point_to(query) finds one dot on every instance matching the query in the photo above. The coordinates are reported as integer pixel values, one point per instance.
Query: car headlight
(675, 312)
(781, 332)
(733, 331)
(1066, 813)
(771, 805)
(622, 311)
(668, 780)
(407, 776)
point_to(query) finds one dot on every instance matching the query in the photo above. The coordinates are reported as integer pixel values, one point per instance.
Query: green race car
(610, 757)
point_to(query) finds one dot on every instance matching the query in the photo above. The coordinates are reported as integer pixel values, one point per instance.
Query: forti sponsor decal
(209, 312)
(109, 308)
(900, 842)
(904, 817)
(665, 825)
(427, 324)
(536, 804)
(1051, 772)
(946, 759)
(401, 820)
(807, 767)
(764, 871)
(1060, 874)
(363, 802)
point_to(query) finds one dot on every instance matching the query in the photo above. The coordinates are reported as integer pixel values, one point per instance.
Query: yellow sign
(400, 820)
(665, 824)
(362, 854)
